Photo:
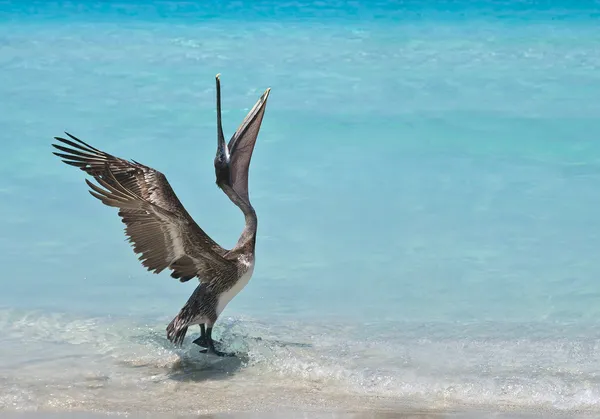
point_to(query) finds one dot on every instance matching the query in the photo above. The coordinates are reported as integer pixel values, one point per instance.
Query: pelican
(162, 232)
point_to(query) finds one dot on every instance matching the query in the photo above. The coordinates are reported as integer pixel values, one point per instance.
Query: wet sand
(298, 415)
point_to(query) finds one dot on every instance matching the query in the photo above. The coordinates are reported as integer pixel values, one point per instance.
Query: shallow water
(426, 181)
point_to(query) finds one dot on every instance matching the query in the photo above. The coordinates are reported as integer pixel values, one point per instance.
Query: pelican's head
(222, 171)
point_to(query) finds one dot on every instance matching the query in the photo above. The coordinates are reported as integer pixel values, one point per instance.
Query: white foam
(62, 362)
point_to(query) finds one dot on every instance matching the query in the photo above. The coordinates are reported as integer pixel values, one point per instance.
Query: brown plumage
(162, 232)
(157, 225)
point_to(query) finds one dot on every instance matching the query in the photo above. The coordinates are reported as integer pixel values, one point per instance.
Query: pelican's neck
(247, 240)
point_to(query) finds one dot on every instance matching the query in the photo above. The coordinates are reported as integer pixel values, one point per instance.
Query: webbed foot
(203, 342)
(207, 341)
(213, 351)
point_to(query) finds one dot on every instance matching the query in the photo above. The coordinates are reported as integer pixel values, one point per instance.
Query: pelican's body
(247, 267)
(166, 236)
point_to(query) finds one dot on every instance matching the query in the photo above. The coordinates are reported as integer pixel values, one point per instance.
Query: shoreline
(384, 414)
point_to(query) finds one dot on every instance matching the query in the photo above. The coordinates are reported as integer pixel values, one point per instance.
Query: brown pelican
(162, 232)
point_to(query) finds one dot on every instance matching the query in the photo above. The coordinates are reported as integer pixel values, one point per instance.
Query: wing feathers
(84, 143)
(157, 225)
(73, 152)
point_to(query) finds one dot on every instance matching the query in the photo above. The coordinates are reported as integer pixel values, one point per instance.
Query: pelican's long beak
(221, 145)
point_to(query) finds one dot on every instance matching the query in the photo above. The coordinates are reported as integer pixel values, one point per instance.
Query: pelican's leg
(211, 345)
(201, 341)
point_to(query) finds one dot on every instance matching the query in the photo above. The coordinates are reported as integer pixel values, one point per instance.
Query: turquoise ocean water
(427, 182)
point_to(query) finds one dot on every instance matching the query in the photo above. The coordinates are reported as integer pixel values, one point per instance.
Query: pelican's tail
(176, 332)
(190, 314)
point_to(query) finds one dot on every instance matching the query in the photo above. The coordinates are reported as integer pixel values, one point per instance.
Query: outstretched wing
(242, 144)
(158, 226)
